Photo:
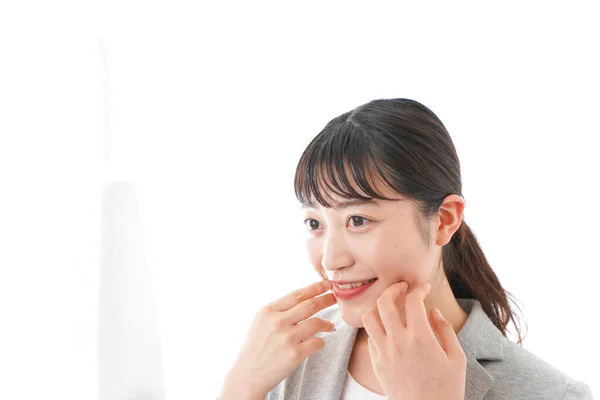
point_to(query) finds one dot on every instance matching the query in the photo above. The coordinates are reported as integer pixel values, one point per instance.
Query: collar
(479, 335)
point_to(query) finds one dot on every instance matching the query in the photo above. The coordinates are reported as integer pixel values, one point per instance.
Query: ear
(450, 216)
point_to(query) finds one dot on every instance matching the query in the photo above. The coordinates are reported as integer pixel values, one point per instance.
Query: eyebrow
(347, 203)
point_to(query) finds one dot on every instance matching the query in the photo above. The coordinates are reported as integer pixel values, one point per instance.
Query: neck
(441, 297)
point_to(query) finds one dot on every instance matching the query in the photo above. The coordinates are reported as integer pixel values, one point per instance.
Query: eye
(357, 220)
(312, 224)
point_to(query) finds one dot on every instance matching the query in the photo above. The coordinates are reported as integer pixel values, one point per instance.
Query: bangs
(340, 161)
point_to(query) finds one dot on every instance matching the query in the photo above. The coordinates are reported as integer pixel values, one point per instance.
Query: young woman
(420, 313)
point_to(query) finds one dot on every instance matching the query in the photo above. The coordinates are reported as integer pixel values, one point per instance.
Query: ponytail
(471, 277)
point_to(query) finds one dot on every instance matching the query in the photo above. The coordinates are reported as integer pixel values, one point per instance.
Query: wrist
(237, 387)
(239, 393)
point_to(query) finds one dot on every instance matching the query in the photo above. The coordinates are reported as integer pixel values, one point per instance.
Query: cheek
(313, 249)
(386, 249)
(395, 257)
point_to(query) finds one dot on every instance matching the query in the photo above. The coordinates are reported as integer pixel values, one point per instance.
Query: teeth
(354, 285)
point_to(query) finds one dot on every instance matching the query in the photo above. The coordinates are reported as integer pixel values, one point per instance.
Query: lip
(349, 294)
(355, 281)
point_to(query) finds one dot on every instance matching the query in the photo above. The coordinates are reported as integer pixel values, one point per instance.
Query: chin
(352, 317)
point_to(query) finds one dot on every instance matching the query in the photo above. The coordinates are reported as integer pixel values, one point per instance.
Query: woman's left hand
(416, 359)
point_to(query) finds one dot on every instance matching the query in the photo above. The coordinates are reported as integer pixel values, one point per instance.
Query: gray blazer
(496, 367)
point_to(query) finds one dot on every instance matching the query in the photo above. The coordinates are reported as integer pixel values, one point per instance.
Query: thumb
(445, 334)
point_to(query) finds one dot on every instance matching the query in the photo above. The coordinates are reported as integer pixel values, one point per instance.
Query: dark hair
(403, 144)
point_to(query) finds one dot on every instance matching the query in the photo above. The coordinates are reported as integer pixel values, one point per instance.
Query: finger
(415, 311)
(372, 349)
(297, 296)
(397, 291)
(387, 305)
(310, 327)
(445, 334)
(308, 347)
(309, 307)
(373, 326)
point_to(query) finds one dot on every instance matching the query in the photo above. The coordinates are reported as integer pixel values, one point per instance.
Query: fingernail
(326, 284)
(438, 313)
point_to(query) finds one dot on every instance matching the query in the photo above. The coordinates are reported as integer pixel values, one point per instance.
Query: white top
(353, 390)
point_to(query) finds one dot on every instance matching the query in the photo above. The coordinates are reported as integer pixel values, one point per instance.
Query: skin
(381, 239)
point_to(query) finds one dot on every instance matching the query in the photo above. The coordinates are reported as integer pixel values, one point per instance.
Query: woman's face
(356, 241)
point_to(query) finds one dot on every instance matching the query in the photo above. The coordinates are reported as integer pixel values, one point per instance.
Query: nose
(336, 252)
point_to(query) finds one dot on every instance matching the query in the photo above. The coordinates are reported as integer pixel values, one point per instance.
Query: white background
(211, 108)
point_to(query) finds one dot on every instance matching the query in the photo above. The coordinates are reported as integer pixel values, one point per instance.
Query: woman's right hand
(276, 344)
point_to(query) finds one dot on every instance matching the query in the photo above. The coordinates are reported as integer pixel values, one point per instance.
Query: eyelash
(365, 219)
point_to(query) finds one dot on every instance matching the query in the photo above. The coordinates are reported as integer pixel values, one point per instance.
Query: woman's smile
(351, 291)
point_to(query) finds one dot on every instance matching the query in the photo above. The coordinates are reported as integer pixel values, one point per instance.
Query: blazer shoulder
(532, 376)
(577, 390)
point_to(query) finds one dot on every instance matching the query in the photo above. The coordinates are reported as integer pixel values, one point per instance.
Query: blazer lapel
(324, 371)
(480, 339)
(478, 381)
